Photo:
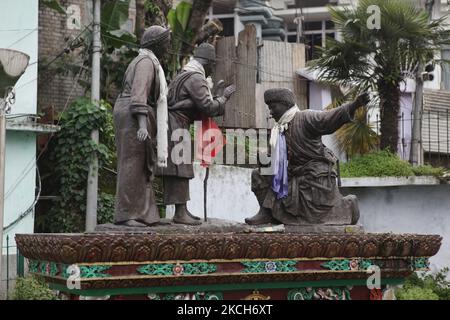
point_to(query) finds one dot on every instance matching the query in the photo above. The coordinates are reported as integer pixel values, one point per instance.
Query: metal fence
(434, 142)
(12, 259)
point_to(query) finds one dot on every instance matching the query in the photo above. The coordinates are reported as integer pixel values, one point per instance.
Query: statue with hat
(301, 188)
(189, 99)
(140, 121)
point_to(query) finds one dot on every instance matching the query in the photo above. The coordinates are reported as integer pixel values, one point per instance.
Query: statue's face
(277, 109)
(208, 65)
(162, 49)
(209, 68)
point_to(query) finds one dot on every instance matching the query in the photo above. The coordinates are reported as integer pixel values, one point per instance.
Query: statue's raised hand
(142, 134)
(218, 88)
(229, 91)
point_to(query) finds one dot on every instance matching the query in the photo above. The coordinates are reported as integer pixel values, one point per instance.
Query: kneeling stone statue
(301, 188)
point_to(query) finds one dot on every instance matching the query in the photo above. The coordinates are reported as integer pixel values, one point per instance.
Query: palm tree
(380, 59)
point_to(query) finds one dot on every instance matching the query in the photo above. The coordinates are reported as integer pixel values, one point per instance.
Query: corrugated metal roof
(436, 100)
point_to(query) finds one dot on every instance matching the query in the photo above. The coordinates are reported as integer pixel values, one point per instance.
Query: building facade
(19, 31)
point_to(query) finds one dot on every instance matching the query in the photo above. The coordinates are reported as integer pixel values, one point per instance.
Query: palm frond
(357, 137)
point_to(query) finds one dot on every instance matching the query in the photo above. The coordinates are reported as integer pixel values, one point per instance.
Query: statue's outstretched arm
(327, 122)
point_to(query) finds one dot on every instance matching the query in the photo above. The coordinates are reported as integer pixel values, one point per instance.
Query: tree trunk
(140, 18)
(389, 114)
(200, 9)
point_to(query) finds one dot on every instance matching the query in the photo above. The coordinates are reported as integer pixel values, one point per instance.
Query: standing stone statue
(302, 188)
(190, 86)
(142, 98)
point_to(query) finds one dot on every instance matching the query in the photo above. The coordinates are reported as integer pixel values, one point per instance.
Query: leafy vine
(70, 154)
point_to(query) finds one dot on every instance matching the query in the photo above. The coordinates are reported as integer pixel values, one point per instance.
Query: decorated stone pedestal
(223, 261)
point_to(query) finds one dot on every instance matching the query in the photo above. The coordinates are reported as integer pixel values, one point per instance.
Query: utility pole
(298, 20)
(92, 183)
(416, 135)
(2, 173)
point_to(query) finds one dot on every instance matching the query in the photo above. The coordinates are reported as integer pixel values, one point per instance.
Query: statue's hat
(282, 95)
(154, 35)
(205, 51)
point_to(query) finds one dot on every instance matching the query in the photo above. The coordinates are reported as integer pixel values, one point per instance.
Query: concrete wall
(408, 209)
(19, 182)
(229, 193)
(423, 209)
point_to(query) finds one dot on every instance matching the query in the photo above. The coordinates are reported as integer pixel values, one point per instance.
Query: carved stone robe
(192, 86)
(135, 198)
(313, 195)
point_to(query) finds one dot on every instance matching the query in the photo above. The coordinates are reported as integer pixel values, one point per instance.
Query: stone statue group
(302, 189)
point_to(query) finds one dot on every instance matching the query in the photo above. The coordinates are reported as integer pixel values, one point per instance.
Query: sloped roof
(436, 100)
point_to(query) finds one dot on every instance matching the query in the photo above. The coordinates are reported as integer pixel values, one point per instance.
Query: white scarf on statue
(195, 66)
(161, 112)
(282, 125)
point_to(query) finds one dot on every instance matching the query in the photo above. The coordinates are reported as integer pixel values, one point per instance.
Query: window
(310, 3)
(313, 33)
(228, 27)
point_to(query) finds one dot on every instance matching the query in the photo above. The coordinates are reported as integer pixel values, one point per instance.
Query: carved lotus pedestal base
(225, 265)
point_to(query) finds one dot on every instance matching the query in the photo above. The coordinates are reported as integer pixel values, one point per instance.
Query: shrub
(428, 171)
(427, 287)
(377, 164)
(32, 288)
(416, 293)
(385, 164)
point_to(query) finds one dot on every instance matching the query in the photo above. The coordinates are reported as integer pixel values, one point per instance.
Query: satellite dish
(12, 65)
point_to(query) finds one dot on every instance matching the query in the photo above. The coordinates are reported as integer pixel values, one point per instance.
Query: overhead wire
(31, 207)
(56, 57)
(24, 37)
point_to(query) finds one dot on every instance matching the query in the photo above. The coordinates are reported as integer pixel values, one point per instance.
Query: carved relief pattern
(269, 266)
(177, 269)
(90, 248)
(319, 294)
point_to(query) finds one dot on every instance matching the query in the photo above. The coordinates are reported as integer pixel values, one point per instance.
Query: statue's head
(157, 39)
(206, 55)
(279, 101)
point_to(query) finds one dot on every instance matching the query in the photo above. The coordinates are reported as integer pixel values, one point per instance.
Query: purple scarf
(280, 178)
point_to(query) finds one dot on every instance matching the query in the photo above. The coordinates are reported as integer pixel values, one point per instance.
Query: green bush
(427, 287)
(32, 288)
(416, 293)
(428, 171)
(377, 164)
(385, 164)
